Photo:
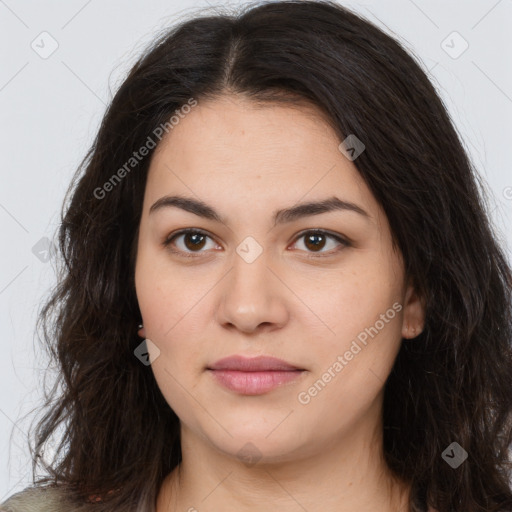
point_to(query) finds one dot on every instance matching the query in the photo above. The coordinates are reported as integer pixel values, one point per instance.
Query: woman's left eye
(313, 239)
(317, 239)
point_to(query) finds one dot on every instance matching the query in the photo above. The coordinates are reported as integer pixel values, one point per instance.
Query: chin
(256, 446)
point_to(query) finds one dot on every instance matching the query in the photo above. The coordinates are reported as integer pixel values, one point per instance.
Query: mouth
(253, 376)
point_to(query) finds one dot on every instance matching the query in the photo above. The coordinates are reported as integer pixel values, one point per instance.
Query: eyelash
(344, 243)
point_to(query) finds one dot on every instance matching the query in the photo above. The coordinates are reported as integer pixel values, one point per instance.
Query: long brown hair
(450, 384)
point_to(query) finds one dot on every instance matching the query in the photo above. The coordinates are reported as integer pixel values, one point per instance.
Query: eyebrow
(283, 216)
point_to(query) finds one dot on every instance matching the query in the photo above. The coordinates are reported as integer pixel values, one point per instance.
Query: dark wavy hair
(452, 383)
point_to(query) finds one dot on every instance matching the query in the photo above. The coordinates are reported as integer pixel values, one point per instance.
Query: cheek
(352, 302)
(356, 350)
(359, 334)
(351, 372)
(172, 308)
(164, 297)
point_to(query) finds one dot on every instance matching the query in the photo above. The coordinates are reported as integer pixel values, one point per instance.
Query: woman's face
(258, 285)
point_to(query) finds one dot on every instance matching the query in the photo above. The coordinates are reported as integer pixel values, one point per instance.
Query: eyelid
(342, 240)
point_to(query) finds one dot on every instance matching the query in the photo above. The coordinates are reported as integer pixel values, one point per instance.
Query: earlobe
(410, 331)
(141, 332)
(414, 313)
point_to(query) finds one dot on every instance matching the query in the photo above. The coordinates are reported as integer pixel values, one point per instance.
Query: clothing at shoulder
(38, 499)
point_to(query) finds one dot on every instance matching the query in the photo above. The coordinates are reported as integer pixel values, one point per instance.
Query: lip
(254, 375)
(252, 364)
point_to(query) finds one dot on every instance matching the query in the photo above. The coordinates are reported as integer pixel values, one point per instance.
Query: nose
(252, 297)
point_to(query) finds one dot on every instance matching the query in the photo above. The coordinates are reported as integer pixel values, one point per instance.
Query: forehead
(230, 124)
(231, 149)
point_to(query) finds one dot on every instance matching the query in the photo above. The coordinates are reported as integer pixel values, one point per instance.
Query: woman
(281, 202)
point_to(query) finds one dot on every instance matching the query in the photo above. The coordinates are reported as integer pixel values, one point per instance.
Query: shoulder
(38, 499)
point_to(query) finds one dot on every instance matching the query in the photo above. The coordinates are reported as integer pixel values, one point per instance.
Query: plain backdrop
(61, 62)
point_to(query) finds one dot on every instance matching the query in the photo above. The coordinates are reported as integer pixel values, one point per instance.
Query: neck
(344, 476)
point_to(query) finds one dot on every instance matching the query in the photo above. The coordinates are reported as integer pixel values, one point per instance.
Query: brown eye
(192, 241)
(316, 240)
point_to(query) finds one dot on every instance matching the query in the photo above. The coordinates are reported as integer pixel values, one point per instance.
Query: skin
(247, 161)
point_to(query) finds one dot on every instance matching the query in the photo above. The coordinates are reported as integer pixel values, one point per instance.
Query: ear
(414, 313)
(142, 333)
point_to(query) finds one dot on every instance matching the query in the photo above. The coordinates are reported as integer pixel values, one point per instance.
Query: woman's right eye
(191, 239)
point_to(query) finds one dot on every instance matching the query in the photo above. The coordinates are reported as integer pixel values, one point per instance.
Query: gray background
(51, 106)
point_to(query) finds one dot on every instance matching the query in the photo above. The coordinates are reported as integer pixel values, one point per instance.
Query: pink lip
(253, 376)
